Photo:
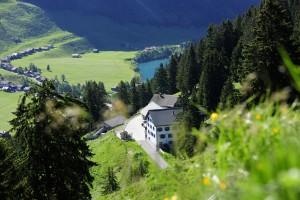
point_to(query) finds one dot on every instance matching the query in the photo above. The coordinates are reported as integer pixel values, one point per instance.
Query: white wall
(155, 136)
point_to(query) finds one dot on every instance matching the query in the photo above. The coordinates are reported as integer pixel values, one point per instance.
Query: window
(170, 135)
(148, 132)
(151, 133)
(159, 129)
(153, 128)
(170, 142)
(162, 136)
(150, 126)
(167, 128)
(154, 135)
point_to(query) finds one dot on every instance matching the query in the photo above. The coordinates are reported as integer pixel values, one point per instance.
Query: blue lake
(147, 69)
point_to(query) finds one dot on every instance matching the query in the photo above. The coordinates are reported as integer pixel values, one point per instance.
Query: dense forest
(238, 61)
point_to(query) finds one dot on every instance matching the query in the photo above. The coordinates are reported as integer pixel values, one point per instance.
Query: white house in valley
(160, 129)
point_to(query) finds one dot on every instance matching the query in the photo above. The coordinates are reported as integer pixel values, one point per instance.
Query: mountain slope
(24, 25)
(155, 12)
(134, 24)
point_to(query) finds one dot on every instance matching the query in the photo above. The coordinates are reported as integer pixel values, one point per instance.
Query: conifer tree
(172, 73)
(53, 159)
(123, 93)
(94, 97)
(6, 170)
(134, 96)
(110, 184)
(160, 80)
(273, 30)
(143, 100)
(188, 72)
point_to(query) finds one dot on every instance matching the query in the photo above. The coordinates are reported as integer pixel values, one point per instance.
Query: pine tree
(94, 97)
(110, 184)
(273, 30)
(134, 97)
(6, 170)
(123, 93)
(143, 95)
(188, 72)
(212, 79)
(160, 80)
(172, 73)
(53, 158)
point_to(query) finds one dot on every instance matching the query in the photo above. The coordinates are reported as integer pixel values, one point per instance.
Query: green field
(109, 67)
(8, 104)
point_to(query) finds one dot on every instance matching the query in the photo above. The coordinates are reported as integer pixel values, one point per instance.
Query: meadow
(109, 67)
(8, 104)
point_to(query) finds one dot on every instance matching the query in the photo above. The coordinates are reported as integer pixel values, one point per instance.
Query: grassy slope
(33, 28)
(108, 67)
(110, 151)
(241, 154)
(8, 104)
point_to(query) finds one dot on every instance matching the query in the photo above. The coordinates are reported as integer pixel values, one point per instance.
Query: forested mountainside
(237, 61)
(154, 12)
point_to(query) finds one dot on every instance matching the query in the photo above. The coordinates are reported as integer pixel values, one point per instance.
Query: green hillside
(8, 104)
(24, 26)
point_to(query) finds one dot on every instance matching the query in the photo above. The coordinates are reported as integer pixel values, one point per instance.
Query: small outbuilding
(96, 51)
(76, 55)
(112, 123)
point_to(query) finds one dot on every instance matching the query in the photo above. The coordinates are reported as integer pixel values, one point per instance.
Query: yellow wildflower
(214, 116)
(275, 130)
(258, 116)
(206, 181)
(223, 186)
(174, 197)
(166, 198)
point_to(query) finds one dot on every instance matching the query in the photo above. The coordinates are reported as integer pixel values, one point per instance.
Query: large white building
(160, 129)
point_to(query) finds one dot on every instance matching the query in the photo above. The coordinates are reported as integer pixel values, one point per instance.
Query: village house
(76, 55)
(5, 134)
(114, 88)
(26, 89)
(45, 48)
(95, 50)
(165, 100)
(6, 59)
(161, 127)
(4, 84)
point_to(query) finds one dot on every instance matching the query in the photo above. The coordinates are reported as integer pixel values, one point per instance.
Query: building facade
(161, 129)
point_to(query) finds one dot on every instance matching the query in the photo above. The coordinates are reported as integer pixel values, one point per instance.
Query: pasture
(8, 104)
(109, 67)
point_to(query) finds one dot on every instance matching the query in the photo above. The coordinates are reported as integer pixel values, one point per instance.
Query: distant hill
(155, 12)
(110, 24)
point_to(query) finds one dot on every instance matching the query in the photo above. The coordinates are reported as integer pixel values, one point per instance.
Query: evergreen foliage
(123, 93)
(160, 80)
(272, 31)
(110, 184)
(52, 158)
(94, 96)
(172, 73)
(134, 96)
(6, 170)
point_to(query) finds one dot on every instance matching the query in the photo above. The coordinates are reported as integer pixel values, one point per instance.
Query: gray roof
(117, 121)
(164, 100)
(164, 117)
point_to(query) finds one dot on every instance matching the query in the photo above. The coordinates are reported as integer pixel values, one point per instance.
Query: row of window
(162, 136)
(150, 133)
